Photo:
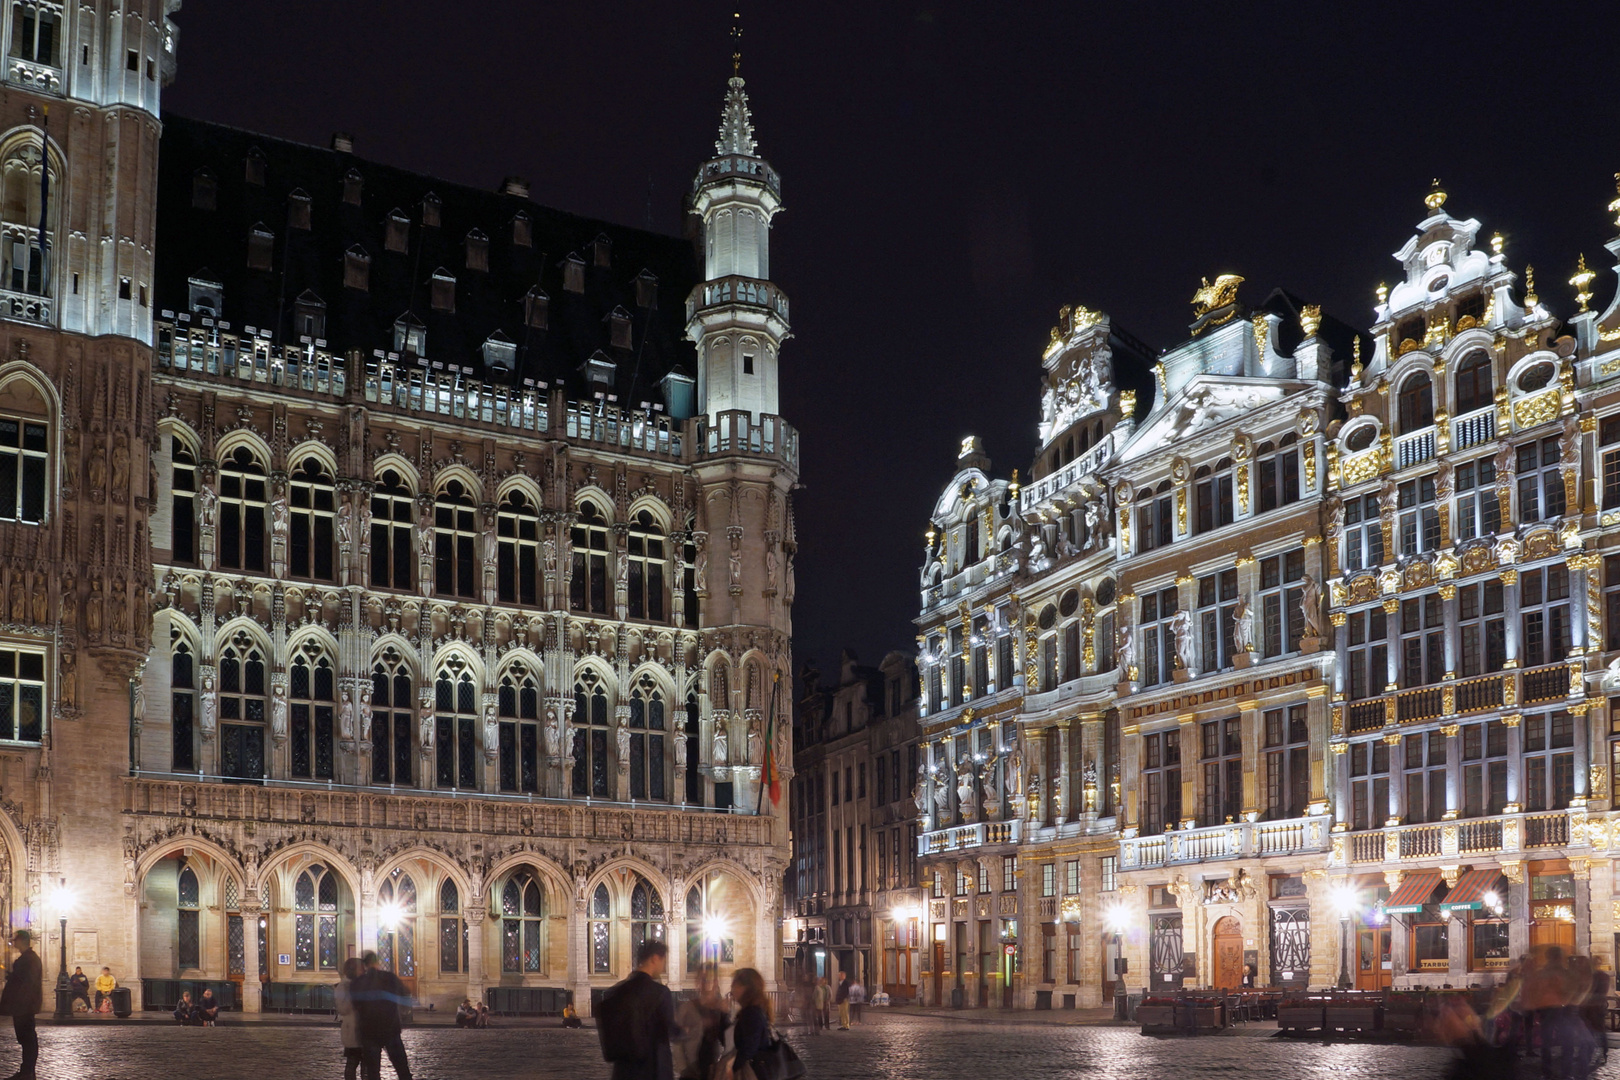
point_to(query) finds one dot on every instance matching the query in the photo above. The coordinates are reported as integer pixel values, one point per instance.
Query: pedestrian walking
(841, 999)
(105, 985)
(378, 997)
(636, 1019)
(1546, 997)
(23, 996)
(822, 1002)
(804, 1003)
(1594, 1011)
(79, 987)
(751, 1036)
(348, 1020)
(857, 1001)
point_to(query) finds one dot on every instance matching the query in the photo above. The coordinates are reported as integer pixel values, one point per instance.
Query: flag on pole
(771, 781)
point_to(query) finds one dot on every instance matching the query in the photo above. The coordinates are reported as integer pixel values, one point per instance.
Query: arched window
(396, 938)
(1213, 503)
(601, 932)
(189, 953)
(1416, 402)
(689, 596)
(312, 685)
(522, 921)
(456, 707)
(315, 920)
(519, 730)
(590, 736)
(182, 703)
(517, 574)
(182, 508)
(646, 571)
(235, 931)
(314, 499)
(241, 708)
(455, 522)
(23, 259)
(393, 727)
(970, 546)
(452, 930)
(392, 553)
(1474, 389)
(241, 511)
(647, 728)
(36, 34)
(711, 911)
(694, 730)
(646, 915)
(588, 583)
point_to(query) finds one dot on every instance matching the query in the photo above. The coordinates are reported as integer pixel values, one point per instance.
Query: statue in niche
(96, 467)
(346, 715)
(120, 464)
(1125, 647)
(278, 713)
(680, 752)
(67, 686)
(207, 506)
(621, 739)
(1310, 606)
(345, 525)
(721, 750)
(554, 735)
(42, 605)
(1181, 626)
(19, 601)
(1243, 626)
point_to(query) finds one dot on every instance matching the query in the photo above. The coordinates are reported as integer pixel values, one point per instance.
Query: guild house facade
(1297, 654)
(387, 563)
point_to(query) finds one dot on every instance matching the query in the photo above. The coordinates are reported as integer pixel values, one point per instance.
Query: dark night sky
(954, 173)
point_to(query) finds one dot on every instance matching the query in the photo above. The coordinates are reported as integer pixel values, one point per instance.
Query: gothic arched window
(393, 728)
(517, 573)
(647, 728)
(189, 953)
(315, 920)
(519, 730)
(455, 562)
(392, 551)
(452, 929)
(182, 703)
(23, 259)
(396, 939)
(456, 708)
(588, 584)
(1474, 389)
(314, 501)
(523, 912)
(1416, 402)
(590, 736)
(692, 735)
(646, 915)
(312, 682)
(646, 570)
(708, 921)
(182, 515)
(601, 932)
(241, 511)
(241, 708)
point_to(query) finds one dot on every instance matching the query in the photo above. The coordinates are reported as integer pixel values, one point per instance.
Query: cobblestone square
(888, 1048)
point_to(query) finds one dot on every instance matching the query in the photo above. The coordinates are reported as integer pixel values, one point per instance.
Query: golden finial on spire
(1436, 198)
(736, 44)
(1530, 298)
(1383, 293)
(1355, 359)
(1496, 244)
(1583, 277)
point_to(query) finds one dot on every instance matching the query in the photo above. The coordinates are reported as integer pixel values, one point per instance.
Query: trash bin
(956, 997)
(121, 1002)
(64, 1002)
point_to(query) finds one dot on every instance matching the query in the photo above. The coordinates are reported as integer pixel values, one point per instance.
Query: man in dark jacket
(652, 1015)
(24, 996)
(378, 996)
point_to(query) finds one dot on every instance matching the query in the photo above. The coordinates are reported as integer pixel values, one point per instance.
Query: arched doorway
(1228, 948)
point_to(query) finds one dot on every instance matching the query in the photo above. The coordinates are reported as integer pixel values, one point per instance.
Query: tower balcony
(738, 291)
(1233, 840)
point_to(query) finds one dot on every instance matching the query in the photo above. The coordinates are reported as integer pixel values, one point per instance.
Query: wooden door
(1553, 932)
(1373, 968)
(1228, 942)
(939, 972)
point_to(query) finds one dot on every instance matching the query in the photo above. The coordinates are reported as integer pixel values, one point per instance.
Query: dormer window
(500, 354)
(206, 295)
(309, 316)
(599, 371)
(357, 269)
(352, 184)
(602, 248)
(522, 231)
(261, 247)
(409, 335)
(1410, 330)
(536, 309)
(444, 290)
(619, 328)
(253, 166)
(430, 210)
(477, 251)
(204, 190)
(574, 273)
(298, 209)
(396, 231)
(646, 289)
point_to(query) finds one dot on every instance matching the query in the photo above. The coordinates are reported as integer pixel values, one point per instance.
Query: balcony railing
(1426, 703)
(33, 76)
(1473, 428)
(1502, 833)
(962, 837)
(1414, 449)
(726, 291)
(1546, 684)
(1076, 470)
(25, 307)
(1234, 840)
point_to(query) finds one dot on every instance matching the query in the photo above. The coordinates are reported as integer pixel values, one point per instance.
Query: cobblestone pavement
(888, 1048)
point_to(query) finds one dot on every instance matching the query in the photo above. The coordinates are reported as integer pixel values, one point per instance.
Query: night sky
(953, 173)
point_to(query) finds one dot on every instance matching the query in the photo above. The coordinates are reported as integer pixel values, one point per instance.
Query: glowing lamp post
(1345, 901)
(60, 899)
(714, 931)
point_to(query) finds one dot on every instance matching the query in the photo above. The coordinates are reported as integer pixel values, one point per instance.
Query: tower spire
(736, 44)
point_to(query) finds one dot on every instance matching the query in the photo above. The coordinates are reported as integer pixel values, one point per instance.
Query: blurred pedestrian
(1547, 998)
(348, 1019)
(378, 997)
(702, 1021)
(822, 1002)
(841, 999)
(1595, 1011)
(24, 996)
(636, 1019)
(751, 1036)
(857, 1001)
(1459, 1027)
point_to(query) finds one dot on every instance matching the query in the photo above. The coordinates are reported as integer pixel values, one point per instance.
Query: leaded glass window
(590, 748)
(451, 928)
(315, 920)
(647, 744)
(393, 726)
(189, 954)
(519, 729)
(601, 932)
(646, 915)
(522, 922)
(456, 706)
(312, 683)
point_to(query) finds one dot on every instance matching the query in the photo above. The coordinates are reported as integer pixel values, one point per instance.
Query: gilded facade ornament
(1310, 319)
(1210, 297)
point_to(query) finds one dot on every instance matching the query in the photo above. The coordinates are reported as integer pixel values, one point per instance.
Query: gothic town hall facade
(386, 563)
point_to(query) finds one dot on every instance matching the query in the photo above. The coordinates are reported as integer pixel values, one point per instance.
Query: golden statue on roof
(1209, 297)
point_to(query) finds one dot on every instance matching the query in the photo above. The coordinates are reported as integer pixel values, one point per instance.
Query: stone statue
(722, 755)
(1243, 626)
(1335, 518)
(209, 706)
(1094, 514)
(942, 796)
(345, 525)
(346, 715)
(96, 468)
(680, 752)
(621, 741)
(492, 550)
(964, 791)
(19, 601)
(424, 730)
(424, 533)
(92, 610)
(700, 569)
(1088, 775)
(792, 587)
(67, 685)
(1181, 626)
(919, 794)
(1310, 606)
(736, 569)
(278, 713)
(1444, 479)
(120, 464)
(207, 506)
(992, 791)
(491, 733)
(770, 568)
(279, 515)
(1504, 460)
(756, 749)
(42, 606)
(1126, 647)
(1569, 445)
(554, 735)
(1388, 499)
(551, 557)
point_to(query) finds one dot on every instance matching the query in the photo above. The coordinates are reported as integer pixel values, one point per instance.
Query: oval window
(1359, 438)
(1048, 617)
(1068, 603)
(1536, 378)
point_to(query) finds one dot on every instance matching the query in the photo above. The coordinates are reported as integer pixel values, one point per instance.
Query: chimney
(343, 142)
(516, 185)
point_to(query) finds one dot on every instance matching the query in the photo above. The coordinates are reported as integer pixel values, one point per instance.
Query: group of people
(200, 1013)
(79, 984)
(1549, 1006)
(816, 998)
(369, 999)
(471, 1014)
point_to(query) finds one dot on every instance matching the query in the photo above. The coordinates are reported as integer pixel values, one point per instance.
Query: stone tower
(736, 316)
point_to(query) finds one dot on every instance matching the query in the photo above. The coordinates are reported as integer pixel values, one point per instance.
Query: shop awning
(1413, 893)
(1471, 889)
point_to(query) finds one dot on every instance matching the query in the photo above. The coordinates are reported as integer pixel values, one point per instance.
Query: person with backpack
(636, 1019)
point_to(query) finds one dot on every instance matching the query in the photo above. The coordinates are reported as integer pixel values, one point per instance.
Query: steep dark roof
(197, 242)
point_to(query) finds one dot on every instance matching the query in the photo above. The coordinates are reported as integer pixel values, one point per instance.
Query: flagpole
(770, 739)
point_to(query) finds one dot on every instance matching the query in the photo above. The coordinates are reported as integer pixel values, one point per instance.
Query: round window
(1048, 617)
(1068, 603)
(1536, 378)
(1360, 438)
(1105, 592)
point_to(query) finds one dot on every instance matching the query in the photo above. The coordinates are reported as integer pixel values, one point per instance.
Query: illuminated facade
(1301, 667)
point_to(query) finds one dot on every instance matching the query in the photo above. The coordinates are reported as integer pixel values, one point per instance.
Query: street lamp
(714, 929)
(60, 899)
(1345, 900)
